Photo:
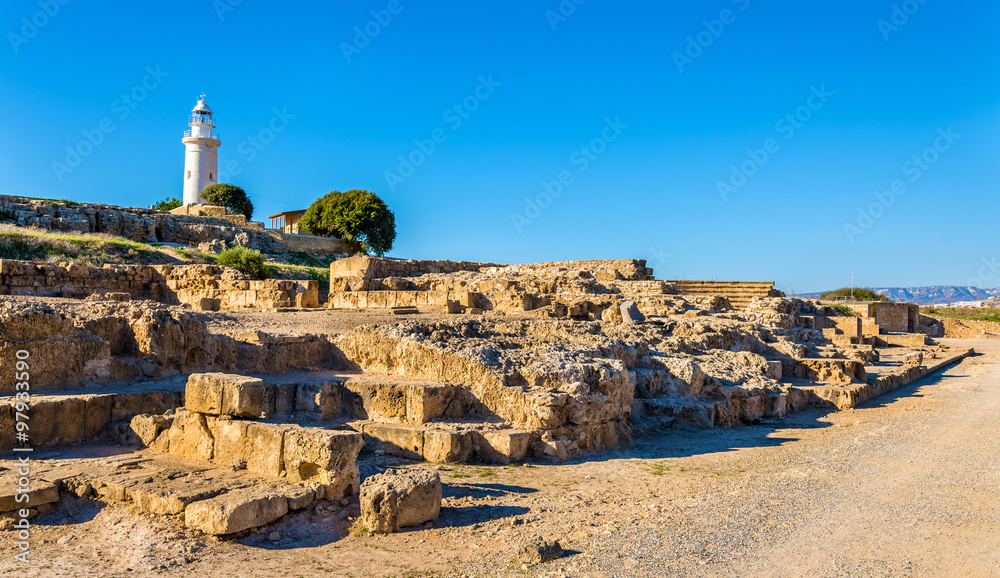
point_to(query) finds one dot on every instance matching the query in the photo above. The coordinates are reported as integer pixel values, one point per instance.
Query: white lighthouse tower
(201, 160)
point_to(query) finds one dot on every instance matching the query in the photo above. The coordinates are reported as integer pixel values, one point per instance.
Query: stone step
(398, 399)
(447, 442)
(215, 500)
(74, 415)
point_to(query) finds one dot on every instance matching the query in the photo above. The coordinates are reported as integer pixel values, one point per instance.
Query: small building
(287, 222)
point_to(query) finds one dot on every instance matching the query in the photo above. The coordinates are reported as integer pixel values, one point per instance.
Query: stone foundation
(207, 287)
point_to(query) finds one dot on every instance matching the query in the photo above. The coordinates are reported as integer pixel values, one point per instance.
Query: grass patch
(36, 245)
(984, 314)
(840, 310)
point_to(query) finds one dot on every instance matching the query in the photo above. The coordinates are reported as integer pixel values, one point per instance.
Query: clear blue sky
(646, 187)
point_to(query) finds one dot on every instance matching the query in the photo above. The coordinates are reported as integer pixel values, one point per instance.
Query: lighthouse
(201, 159)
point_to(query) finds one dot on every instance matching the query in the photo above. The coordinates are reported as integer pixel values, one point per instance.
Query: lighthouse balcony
(215, 137)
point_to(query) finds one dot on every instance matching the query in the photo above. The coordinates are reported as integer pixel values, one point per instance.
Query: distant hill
(930, 295)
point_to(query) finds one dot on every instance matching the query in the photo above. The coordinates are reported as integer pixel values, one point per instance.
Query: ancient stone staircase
(738, 293)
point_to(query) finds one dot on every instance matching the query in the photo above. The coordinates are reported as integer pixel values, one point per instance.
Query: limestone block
(203, 393)
(148, 430)
(236, 511)
(630, 313)
(245, 397)
(427, 402)
(58, 420)
(97, 413)
(502, 446)
(441, 446)
(284, 398)
(190, 436)
(39, 492)
(265, 442)
(325, 456)
(166, 497)
(322, 397)
(134, 403)
(301, 497)
(231, 442)
(399, 498)
(227, 394)
(397, 440)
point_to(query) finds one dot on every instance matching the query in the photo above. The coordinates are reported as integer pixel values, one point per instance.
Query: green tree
(247, 261)
(168, 204)
(229, 196)
(860, 294)
(359, 216)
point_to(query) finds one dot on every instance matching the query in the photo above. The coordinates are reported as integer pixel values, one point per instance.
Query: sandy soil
(905, 485)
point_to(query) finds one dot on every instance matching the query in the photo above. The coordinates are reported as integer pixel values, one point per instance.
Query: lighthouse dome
(202, 106)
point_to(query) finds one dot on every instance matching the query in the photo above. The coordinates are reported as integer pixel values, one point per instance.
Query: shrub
(247, 261)
(168, 204)
(359, 216)
(229, 196)
(860, 294)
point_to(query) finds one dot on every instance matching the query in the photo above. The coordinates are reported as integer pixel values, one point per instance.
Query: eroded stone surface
(399, 498)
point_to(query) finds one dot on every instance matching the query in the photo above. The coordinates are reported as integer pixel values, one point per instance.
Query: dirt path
(906, 485)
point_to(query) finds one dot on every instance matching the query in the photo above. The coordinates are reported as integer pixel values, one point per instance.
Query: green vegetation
(33, 245)
(249, 262)
(840, 310)
(357, 215)
(168, 204)
(229, 196)
(983, 314)
(860, 294)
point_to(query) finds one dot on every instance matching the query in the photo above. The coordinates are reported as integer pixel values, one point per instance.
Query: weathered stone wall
(380, 267)
(201, 286)
(146, 225)
(137, 341)
(310, 244)
(969, 328)
(896, 317)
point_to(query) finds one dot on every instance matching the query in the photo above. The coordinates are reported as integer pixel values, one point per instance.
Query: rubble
(396, 499)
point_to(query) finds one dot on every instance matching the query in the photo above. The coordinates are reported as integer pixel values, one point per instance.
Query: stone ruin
(502, 363)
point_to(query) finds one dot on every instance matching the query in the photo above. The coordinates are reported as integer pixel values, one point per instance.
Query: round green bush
(247, 261)
(229, 196)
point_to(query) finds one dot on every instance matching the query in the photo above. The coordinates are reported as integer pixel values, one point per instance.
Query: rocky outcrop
(145, 225)
(115, 341)
(203, 287)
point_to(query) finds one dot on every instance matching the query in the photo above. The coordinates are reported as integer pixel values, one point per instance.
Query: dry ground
(906, 485)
